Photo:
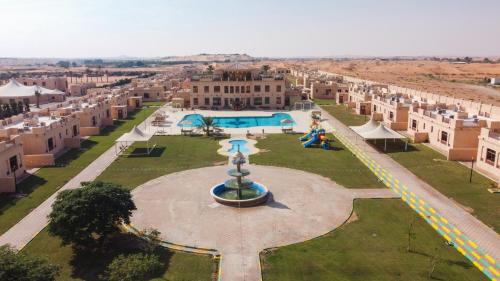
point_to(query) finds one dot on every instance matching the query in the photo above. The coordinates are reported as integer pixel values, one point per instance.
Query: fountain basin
(255, 195)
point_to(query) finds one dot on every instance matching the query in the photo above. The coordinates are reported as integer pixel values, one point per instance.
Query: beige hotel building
(234, 88)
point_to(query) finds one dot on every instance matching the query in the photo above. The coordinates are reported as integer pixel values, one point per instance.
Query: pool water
(239, 121)
(241, 143)
(232, 194)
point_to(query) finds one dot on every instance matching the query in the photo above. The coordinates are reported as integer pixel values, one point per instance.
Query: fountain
(239, 191)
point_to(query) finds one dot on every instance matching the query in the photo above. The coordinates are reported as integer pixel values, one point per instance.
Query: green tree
(94, 211)
(207, 123)
(15, 266)
(265, 68)
(13, 108)
(134, 267)
(37, 95)
(6, 110)
(210, 69)
(20, 107)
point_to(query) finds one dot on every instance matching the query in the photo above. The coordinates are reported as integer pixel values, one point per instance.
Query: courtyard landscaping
(173, 154)
(372, 245)
(41, 185)
(338, 163)
(343, 113)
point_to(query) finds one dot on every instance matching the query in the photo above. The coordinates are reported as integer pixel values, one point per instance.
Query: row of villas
(461, 133)
(36, 139)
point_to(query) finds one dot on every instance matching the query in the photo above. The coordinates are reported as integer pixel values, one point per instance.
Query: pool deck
(301, 118)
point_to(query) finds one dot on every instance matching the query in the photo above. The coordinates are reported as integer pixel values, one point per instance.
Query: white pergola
(374, 131)
(129, 138)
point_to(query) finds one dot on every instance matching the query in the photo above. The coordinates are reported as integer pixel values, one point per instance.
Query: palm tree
(265, 68)
(210, 69)
(37, 95)
(207, 123)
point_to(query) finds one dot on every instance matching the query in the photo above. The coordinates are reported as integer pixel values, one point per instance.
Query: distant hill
(211, 58)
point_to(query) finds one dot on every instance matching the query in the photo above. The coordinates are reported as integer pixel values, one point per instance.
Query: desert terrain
(465, 81)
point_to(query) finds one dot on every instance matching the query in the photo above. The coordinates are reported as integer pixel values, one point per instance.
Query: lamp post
(471, 170)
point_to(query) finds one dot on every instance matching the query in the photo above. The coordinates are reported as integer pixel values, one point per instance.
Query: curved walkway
(302, 206)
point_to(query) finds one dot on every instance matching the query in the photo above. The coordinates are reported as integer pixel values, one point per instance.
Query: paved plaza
(302, 206)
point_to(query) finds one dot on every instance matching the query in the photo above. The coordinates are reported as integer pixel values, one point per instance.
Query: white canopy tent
(14, 89)
(128, 138)
(373, 131)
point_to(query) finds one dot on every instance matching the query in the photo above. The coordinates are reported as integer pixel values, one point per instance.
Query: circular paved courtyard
(301, 206)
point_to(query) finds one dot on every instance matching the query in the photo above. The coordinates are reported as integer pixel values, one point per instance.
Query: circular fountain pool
(253, 194)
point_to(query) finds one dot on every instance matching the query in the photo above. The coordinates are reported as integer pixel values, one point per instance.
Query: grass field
(173, 154)
(343, 113)
(373, 247)
(451, 179)
(88, 266)
(48, 180)
(337, 164)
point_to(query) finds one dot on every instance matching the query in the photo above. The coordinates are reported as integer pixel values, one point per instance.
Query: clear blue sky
(104, 28)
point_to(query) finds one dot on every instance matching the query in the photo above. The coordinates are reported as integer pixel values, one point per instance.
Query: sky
(270, 28)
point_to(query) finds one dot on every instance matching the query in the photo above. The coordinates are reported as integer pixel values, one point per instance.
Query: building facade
(392, 110)
(488, 153)
(11, 163)
(53, 83)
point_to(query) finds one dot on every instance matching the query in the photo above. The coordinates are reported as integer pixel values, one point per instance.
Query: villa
(327, 89)
(488, 153)
(11, 163)
(93, 115)
(43, 136)
(360, 96)
(52, 83)
(80, 89)
(237, 89)
(392, 110)
(447, 128)
(148, 92)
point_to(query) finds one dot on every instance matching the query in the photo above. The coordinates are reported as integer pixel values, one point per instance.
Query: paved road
(485, 237)
(303, 206)
(21, 234)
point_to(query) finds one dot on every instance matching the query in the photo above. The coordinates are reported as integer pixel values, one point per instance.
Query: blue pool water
(239, 122)
(236, 143)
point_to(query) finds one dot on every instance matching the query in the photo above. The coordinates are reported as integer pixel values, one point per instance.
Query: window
(374, 108)
(237, 89)
(391, 116)
(231, 89)
(432, 129)
(328, 92)
(195, 89)
(243, 89)
(13, 163)
(216, 89)
(414, 124)
(267, 100)
(267, 88)
(444, 137)
(50, 144)
(44, 84)
(257, 101)
(75, 130)
(207, 101)
(247, 89)
(226, 89)
(216, 101)
(278, 100)
(206, 89)
(256, 88)
(490, 156)
(146, 95)
(195, 101)
(424, 125)
(278, 88)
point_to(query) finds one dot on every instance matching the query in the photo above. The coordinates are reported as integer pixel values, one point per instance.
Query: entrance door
(50, 144)
(362, 110)
(120, 114)
(341, 99)
(136, 103)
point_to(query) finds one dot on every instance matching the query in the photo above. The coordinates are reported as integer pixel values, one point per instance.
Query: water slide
(313, 139)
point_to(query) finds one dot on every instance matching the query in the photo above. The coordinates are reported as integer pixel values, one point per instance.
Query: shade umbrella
(287, 122)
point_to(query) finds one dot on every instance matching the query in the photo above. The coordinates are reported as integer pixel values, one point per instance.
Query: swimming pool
(241, 143)
(238, 121)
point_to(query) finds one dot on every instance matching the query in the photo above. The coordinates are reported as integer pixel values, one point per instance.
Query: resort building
(447, 128)
(93, 115)
(52, 83)
(11, 163)
(360, 96)
(488, 153)
(148, 92)
(392, 110)
(15, 92)
(80, 89)
(235, 88)
(43, 137)
(119, 105)
(327, 89)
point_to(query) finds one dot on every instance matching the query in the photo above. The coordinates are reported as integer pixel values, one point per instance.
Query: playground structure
(317, 135)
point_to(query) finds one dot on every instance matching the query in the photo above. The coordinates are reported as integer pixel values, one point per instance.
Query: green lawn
(324, 101)
(173, 154)
(451, 179)
(338, 164)
(88, 266)
(373, 247)
(48, 180)
(154, 103)
(344, 114)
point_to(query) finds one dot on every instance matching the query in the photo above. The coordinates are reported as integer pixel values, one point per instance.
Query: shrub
(134, 267)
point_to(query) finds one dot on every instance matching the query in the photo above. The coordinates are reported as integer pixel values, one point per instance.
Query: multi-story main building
(234, 88)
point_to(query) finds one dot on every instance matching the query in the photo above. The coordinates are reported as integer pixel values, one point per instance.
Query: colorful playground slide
(316, 136)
